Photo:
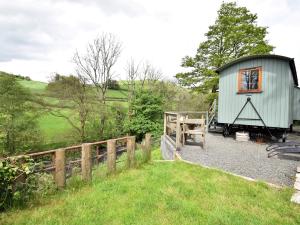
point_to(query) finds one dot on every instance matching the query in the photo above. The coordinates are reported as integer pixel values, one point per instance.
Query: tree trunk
(102, 123)
(102, 118)
(82, 131)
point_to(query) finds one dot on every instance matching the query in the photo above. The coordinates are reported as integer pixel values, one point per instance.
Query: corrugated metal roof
(280, 57)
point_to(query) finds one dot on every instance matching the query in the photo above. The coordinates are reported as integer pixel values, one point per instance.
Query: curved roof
(280, 57)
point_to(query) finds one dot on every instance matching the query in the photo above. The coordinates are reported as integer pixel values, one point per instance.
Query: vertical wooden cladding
(272, 102)
(296, 104)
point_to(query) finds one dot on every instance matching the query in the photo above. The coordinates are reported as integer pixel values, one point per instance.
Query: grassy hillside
(35, 87)
(164, 193)
(56, 129)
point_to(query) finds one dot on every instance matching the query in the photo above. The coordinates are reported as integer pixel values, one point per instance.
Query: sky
(39, 38)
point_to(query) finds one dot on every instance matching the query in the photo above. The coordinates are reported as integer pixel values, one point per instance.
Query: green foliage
(147, 117)
(113, 85)
(74, 94)
(20, 184)
(16, 181)
(18, 118)
(58, 97)
(234, 34)
(44, 185)
(115, 115)
(4, 74)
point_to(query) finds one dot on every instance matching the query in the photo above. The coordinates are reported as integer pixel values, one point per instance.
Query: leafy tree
(113, 84)
(234, 34)
(140, 77)
(18, 124)
(147, 116)
(73, 93)
(115, 114)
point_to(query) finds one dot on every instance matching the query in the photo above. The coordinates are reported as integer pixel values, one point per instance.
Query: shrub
(17, 181)
(45, 185)
(147, 116)
(18, 118)
(113, 84)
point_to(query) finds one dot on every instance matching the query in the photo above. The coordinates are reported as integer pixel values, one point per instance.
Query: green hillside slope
(57, 130)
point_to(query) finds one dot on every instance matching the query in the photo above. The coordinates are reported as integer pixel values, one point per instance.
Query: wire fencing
(81, 159)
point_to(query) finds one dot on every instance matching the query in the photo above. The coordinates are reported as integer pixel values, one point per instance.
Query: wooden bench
(187, 131)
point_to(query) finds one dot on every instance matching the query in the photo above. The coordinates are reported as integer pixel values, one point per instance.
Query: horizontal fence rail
(59, 163)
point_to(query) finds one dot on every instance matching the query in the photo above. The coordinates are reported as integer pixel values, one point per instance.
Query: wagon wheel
(226, 131)
(284, 137)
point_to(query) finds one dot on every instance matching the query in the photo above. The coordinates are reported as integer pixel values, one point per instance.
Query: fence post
(86, 162)
(53, 157)
(111, 156)
(165, 123)
(148, 147)
(178, 132)
(131, 152)
(207, 121)
(60, 168)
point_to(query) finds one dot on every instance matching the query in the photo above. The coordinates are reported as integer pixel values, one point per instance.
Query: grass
(53, 128)
(117, 93)
(164, 193)
(35, 87)
(56, 129)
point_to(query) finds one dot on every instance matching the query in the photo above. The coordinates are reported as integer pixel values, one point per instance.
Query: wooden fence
(89, 152)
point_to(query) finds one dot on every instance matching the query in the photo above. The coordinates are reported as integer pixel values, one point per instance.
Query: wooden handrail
(186, 112)
(69, 148)
(59, 162)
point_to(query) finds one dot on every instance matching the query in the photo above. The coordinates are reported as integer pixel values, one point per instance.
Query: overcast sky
(39, 38)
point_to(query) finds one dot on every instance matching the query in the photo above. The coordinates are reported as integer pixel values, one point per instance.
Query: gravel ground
(242, 158)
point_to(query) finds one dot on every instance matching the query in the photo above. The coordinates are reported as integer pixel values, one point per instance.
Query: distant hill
(2, 73)
(55, 129)
(38, 87)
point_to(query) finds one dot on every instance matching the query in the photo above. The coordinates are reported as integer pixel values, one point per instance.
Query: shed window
(249, 80)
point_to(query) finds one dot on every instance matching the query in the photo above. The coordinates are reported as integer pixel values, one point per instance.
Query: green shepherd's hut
(259, 91)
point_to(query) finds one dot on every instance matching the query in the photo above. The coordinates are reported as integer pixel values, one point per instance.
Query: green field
(164, 193)
(56, 129)
(36, 87)
(53, 128)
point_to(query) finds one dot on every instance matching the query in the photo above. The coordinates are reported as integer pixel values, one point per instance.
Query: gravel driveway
(242, 158)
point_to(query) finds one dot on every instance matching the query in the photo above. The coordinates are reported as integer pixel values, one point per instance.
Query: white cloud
(39, 37)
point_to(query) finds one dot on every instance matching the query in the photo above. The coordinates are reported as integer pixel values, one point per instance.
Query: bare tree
(132, 73)
(149, 75)
(144, 74)
(97, 65)
(154, 75)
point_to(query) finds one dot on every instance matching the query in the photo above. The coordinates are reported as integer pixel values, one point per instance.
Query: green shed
(268, 82)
